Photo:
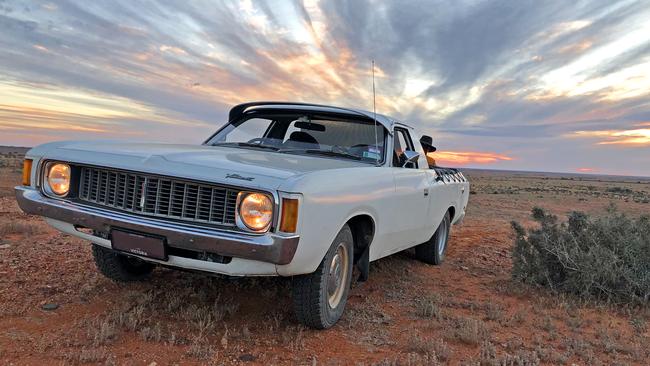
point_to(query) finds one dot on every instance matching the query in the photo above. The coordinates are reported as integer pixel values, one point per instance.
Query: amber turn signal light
(27, 172)
(289, 218)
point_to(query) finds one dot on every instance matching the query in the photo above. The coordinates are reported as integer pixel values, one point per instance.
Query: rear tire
(119, 267)
(319, 298)
(433, 251)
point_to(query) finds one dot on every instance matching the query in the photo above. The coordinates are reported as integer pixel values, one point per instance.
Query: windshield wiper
(323, 152)
(246, 144)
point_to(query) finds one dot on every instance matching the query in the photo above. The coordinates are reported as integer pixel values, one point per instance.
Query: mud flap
(363, 264)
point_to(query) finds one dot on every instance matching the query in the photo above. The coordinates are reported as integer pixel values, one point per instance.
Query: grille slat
(159, 197)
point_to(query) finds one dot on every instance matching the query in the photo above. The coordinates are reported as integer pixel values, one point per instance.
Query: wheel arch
(363, 229)
(452, 213)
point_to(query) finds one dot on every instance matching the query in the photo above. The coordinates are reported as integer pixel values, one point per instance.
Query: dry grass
(10, 168)
(471, 331)
(494, 312)
(466, 311)
(200, 348)
(152, 333)
(639, 324)
(20, 227)
(432, 347)
(409, 359)
(489, 357)
(428, 308)
(293, 337)
(583, 188)
(89, 355)
(198, 323)
(102, 332)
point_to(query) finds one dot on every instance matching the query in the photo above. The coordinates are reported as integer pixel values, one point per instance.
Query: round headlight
(58, 179)
(256, 211)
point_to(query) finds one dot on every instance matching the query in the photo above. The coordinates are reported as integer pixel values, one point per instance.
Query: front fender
(330, 199)
(314, 244)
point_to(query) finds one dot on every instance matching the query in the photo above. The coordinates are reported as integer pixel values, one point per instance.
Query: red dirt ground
(467, 311)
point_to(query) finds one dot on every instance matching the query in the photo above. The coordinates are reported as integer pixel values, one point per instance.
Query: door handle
(426, 192)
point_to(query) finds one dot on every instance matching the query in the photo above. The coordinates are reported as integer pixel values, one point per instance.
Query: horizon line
(485, 168)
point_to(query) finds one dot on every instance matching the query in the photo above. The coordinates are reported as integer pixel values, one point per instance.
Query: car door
(411, 196)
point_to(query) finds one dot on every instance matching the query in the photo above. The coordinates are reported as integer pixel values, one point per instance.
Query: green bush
(605, 258)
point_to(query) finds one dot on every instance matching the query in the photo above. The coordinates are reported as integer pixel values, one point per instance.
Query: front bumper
(267, 247)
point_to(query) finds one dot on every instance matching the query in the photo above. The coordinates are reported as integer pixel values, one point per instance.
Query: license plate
(139, 244)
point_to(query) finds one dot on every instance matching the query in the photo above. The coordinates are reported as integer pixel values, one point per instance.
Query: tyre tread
(307, 294)
(113, 266)
(428, 252)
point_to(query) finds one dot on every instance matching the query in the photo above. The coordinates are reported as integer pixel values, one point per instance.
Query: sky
(521, 84)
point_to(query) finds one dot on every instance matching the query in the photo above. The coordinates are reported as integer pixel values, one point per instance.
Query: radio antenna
(374, 111)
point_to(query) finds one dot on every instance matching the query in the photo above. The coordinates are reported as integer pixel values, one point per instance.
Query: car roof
(239, 110)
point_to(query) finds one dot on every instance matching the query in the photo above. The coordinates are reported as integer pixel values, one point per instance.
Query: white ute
(283, 189)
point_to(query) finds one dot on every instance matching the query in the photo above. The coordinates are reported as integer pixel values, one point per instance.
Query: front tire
(319, 298)
(119, 267)
(433, 251)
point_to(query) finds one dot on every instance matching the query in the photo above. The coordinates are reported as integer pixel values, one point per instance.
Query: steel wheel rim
(337, 273)
(442, 238)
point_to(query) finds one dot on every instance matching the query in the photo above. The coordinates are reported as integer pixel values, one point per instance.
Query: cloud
(634, 137)
(514, 78)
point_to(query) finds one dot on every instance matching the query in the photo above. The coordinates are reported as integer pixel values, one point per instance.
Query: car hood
(230, 165)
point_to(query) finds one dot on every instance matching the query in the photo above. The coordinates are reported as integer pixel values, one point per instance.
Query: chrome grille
(158, 196)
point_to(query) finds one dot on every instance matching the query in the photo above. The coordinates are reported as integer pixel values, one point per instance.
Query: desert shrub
(620, 190)
(605, 258)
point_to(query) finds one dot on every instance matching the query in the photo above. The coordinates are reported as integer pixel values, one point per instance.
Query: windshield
(309, 135)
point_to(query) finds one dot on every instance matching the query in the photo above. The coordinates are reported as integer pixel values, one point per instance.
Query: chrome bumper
(265, 248)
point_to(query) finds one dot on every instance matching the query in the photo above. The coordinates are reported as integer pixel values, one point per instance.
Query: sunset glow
(640, 136)
(554, 86)
(586, 170)
(451, 158)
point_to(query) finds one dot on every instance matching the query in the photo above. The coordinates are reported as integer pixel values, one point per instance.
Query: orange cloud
(634, 137)
(586, 170)
(466, 158)
(576, 48)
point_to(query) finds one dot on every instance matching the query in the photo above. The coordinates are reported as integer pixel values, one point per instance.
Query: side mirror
(409, 156)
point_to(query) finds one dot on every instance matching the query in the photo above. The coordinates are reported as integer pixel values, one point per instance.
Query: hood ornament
(237, 176)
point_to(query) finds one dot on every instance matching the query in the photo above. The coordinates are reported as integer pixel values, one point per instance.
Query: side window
(402, 142)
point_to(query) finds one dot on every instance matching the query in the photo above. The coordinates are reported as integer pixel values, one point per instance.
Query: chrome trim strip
(266, 248)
